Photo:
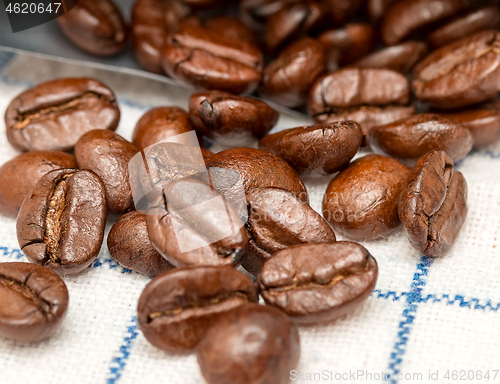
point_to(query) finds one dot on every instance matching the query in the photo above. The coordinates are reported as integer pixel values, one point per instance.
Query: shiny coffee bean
(461, 73)
(378, 8)
(129, 244)
(318, 282)
(407, 17)
(61, 223)
(96, 26)
(409, 139)
(287, 79)
(361, 201)
(278, 219)
(316, 150)
(245, 343)
(232, 28)
(33, 302)
(107, 154)
(204, 59)
(19, 175)
(178, 307)
(255, 13)
(433, 204)
(475, 21)
(196, 226)
(484, 124)
(401, 58)
(231, 120)
(341, 11)
(53, 115)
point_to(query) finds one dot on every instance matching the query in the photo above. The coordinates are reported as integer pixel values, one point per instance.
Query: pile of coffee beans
(414, 80)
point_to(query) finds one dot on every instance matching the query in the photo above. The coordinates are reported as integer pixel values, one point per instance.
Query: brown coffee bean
(96, 26)
(204, 59)
(278, 219)
(346, 45)
(202, 4)
(255, 13)
(243, 345)
(361, 201)
(401, 58)
(287, 79)
(19, 175)
(316, 150)
(461, 73)
(178, 307)
(475, 21)
(229, 119)
(33, 302)
(378, 8)
(433, 204)
(53, 115)
(61, 223)
(129, 244)
(411, 138)
(484, 124)
(189, 226)
(406, 17)
(206, 154)
(318, 282)
(232, 28)
(341, 11)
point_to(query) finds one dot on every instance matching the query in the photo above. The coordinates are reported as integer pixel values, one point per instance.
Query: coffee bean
(411, 138)
(406, 17)
(245, 343)
(484, 124)
(178, 307)
(318, 282)
(278, 219)
(287, 80)
(433, 204)
(129, 244)
(229, 119)
(361, 201)
(53, 115)
(475, 21)
(96, 26)
(401, 58)
(19, 175)
(204, 59)
(378, 8)
(461, 73)
(232, 28)
(61, 223)
(33, 302)
(255, 13)
(340, 12)
(316, 150)
(191, 224)
(202, 4)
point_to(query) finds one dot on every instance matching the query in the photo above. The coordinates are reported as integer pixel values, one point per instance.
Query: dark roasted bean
(256, 12)
(232, 28)
(484, 124)
(341, 11)
(378, 8)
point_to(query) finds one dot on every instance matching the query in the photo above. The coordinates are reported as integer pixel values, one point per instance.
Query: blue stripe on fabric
(5, 58)
(118, 363)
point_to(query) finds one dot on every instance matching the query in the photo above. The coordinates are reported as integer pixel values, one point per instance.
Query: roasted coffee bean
(107, 154)
(318, 282)
(245, 343)
(255, 13)
(179, 306)
(361, 201)
(159, 124)
(401, 58)
(291, 22)
(96, 26)
(406, 17)
(33, 302)
(61, 223)
(316, 150)
(204, 59)
(278, 219)
(287, 80)
(232, 28)
(191, 224)
(484, 124)
(477, 20)
(19, 175)
(347, 44)
(152, 21)
(410, 139)
(462, 73)
(129, 244)
(433, 204)
(53, 115)
(202, 3)
(341, 11)
(378, 8)
(229, 119)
